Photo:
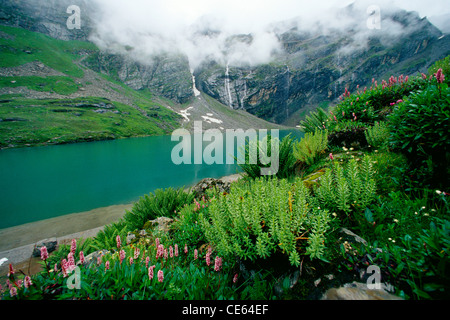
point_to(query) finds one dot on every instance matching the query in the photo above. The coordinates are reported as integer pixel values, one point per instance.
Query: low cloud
(206, 29)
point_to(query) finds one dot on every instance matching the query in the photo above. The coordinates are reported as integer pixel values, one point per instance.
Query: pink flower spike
(217, 264)
(185, 248)
(195, 254)
(147, 261)
(331, 156)
(11, 270)
(150, 272)
(44, 253)
(208, 259)
(82, 259)
(131, 260)
(28, 282)
(119, 242)
(137, 252)
(73, 247)
(157, 243)
(13, 292)
(160, 276)
(107, 265)
(235, 278)
(121, 256)
(176, 250)
(171, 251)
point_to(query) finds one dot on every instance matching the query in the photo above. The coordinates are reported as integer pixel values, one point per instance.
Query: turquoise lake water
(46, 182)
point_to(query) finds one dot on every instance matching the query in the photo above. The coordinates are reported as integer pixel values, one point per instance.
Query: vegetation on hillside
(379, 174)
(33, 121)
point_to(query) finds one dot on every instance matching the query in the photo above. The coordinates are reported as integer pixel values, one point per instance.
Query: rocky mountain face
(314, 67)
(48, 17)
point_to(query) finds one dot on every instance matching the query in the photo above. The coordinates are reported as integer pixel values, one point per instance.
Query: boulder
(200, 188)
(51, 245)
(92, 258)
(161, 224)
(357, 291)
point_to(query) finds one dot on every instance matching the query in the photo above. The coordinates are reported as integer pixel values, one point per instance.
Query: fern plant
(266, 216)
(348, 189)
(316, 120)
(311, 147)
(161, 203)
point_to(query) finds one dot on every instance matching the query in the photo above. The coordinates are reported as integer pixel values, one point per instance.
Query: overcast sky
(154, 26)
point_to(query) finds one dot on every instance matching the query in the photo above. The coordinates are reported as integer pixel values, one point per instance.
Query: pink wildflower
(64, 267)
(147, 261)
(331, 156)
(208, 258)
(107, 265)
(70, 262)
(217, 264)
(44, 253)
(119, 242)
(424, 76)
(28, 282)
(131, 260)
(440, 77)
(166, 254)
(11, 270)
(176, 250)
(185, 248)
(235, 278)
(82, 259)
(13, 292)
(99, 260)
(137, 252)
(160, 276)
(121, 256)
(150, 272)
(160, 251)
(73, 247)
(19, 284)
(195, 254)
(157, 243)
(171, 251)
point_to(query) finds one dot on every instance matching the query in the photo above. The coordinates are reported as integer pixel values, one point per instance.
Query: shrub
(348, 189)
(420, 129)
(161, 203)
(316, 120)
(311, 147)
(281, 151)
(264, 217)
(378, 135)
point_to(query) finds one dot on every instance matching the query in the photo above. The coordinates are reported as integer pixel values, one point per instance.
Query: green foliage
(106, 238)
(280, 154)
(60, 85)
(348, 189)
(311, 147)
(443, 64)
(316, 120)
(420, 129)
(161, 203)
(263, 217)
(378, 135)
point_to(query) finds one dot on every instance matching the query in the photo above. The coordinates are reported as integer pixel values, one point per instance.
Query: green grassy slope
(30, 120)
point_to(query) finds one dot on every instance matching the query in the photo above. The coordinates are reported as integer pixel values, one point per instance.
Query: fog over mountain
(202, 29)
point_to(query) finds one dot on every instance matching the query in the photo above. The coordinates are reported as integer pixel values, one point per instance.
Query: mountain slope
(48, 96)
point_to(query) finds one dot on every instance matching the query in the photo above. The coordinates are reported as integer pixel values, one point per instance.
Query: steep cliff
(316, 68)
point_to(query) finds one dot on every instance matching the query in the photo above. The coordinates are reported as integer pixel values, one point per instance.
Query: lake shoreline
(17, 243)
